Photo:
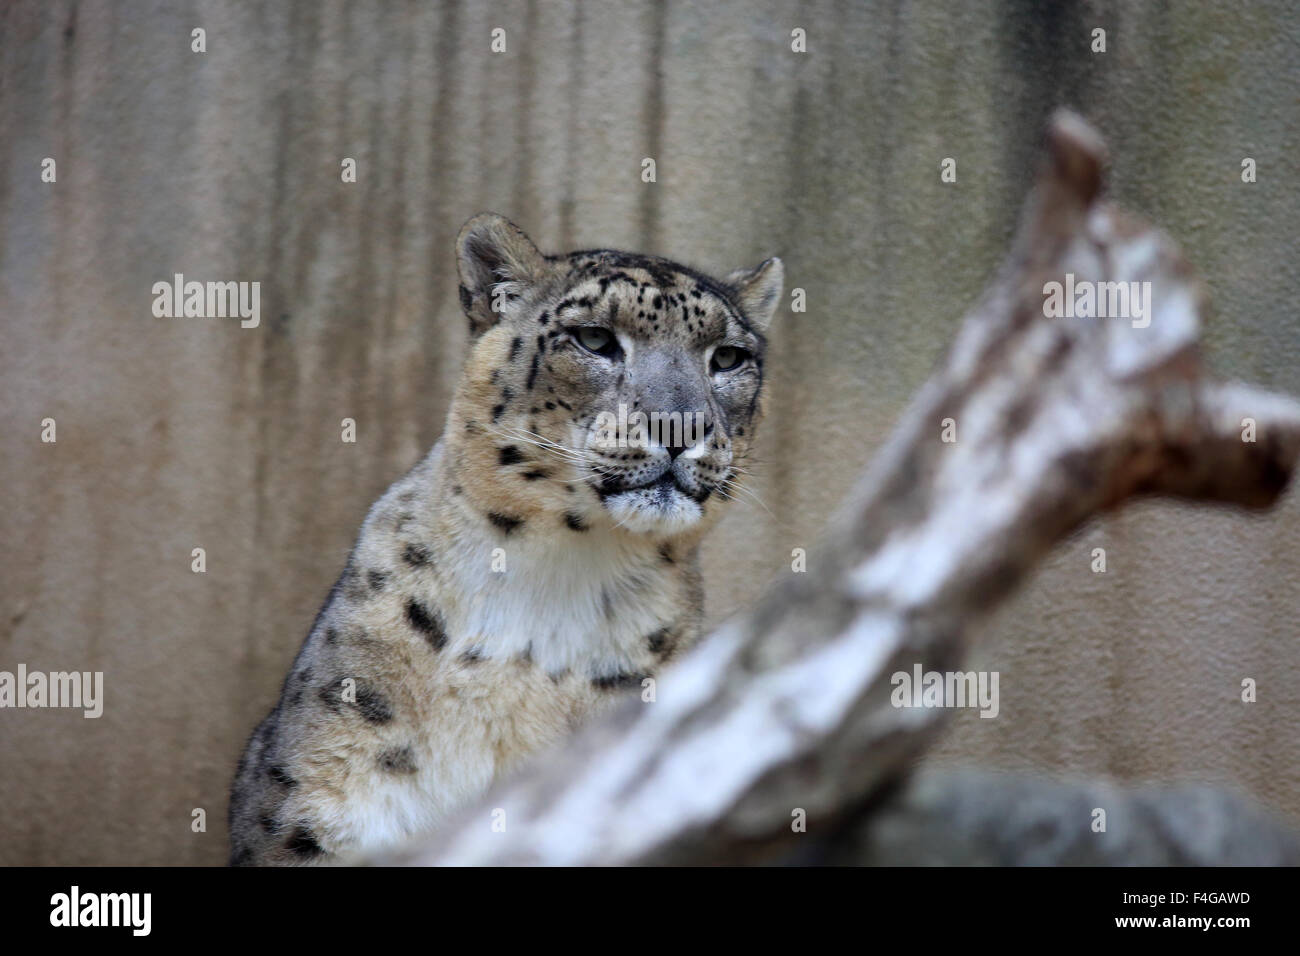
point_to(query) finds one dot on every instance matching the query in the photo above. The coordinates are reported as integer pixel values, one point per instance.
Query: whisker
(736, 489)
(542, 442)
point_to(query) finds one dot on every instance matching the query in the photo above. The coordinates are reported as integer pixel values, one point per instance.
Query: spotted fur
(525, 573)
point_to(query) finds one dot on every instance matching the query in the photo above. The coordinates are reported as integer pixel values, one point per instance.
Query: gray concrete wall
(176, 434)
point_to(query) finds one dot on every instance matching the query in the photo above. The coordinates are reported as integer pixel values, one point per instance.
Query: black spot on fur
(535, 475)
(574, 521)
(514, 348)
(373, 705)
(427, 623)
(532, 371)
(416, 555)
(303, 843)
(506, 523)
(268, 823)
(281, 776)
(618, 681)
(301, 679)
(377, 579)
(509, 455)
(351, 584)
(370, 703)
(471, 656)
(609, 485)
(658, 641)
(397, 760)
(331, 635)
(496, 411)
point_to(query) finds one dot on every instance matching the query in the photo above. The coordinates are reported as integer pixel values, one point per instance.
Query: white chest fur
(580, 601)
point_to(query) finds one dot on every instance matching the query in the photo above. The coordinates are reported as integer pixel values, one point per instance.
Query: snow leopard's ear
(757, 291)
(490, 251)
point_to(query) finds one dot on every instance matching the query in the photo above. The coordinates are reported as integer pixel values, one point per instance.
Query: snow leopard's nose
(674, 393)
(690, 435)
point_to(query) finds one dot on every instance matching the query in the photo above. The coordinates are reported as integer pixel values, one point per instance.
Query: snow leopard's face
(623, 388)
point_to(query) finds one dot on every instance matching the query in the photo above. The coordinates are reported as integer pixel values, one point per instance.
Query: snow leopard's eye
(727, 358)
(595, 339)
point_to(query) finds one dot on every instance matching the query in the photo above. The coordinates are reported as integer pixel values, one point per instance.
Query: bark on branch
(788, 705)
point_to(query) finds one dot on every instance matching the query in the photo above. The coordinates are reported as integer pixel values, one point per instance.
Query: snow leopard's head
(609, 388)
